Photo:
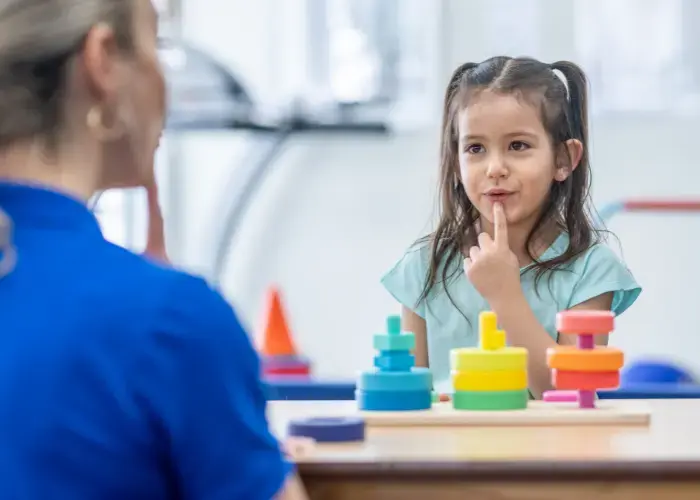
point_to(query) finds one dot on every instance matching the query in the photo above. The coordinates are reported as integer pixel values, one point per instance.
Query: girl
(515, 234)
(120, 377)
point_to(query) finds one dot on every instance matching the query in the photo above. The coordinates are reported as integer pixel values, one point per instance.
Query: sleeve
(207, 395)
(602, 272)
(406, 278)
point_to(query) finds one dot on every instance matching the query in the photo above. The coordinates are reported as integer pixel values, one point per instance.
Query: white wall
(338, 210)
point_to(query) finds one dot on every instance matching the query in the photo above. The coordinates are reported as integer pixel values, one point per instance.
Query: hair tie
(559, 74)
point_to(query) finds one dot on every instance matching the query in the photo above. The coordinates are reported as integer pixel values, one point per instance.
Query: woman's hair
(38, 39)
(564, 112)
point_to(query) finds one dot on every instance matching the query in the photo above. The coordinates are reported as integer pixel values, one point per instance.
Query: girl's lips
(498, 197)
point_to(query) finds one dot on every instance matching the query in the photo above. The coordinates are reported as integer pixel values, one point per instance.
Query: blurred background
(302, 150)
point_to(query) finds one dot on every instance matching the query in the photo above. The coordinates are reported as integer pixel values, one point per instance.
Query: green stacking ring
(490, 400)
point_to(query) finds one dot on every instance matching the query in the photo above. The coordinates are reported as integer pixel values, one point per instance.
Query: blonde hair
(38, 39)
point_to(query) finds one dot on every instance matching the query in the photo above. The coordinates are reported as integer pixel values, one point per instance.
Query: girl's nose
(496, 167)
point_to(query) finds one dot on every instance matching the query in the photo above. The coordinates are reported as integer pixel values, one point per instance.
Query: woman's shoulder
(160, 296)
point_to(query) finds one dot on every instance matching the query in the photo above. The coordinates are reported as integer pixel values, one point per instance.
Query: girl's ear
(568, 158)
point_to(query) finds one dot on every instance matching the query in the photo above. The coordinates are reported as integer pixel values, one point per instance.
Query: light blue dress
(593, 273)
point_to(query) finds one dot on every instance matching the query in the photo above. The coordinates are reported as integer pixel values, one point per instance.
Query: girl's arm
(524, 330)
(411, 322)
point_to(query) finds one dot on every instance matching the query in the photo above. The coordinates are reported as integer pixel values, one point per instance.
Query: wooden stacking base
(537, 413)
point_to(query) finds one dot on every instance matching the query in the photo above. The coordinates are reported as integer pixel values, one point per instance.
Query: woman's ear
(568, 158)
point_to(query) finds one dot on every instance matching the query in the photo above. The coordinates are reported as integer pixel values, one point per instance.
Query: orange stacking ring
(585, 322)
(599, 359)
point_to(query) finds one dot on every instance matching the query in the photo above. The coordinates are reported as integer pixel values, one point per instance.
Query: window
(373, 51)
(633, 52)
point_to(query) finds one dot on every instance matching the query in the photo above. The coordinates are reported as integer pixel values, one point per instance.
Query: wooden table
(506, 463)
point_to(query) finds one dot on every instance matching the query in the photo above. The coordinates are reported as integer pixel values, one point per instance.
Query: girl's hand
(492, 267)
(155, 241)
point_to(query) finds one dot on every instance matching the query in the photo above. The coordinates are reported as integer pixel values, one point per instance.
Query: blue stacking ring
(394, 401)
(400, 361)
(418, 379)
(328, 429)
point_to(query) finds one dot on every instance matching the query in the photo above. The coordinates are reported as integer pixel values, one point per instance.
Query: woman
(120, 378)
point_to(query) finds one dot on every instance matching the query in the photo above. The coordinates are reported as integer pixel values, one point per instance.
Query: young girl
(515, 235)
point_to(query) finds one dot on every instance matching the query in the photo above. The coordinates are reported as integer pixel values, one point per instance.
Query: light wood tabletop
(406, 460)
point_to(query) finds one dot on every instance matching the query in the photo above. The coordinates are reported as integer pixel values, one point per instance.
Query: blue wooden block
(393, 401)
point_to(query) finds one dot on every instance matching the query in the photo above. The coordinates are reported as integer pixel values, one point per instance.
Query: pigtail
(7, 250)
(577, 85)
(577, 211)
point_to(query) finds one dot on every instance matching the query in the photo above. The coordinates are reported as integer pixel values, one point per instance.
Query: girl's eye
(474, 149)
(519, 146)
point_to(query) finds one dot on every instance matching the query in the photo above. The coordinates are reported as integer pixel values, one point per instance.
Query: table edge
(530, 470)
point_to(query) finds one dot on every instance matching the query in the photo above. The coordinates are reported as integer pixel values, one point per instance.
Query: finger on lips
(500, 224)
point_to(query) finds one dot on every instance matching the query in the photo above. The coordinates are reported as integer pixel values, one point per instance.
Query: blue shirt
(120, 378)
(593, 273)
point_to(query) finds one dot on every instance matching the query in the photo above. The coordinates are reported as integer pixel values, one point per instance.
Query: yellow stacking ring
(507, 358)
(489, 380)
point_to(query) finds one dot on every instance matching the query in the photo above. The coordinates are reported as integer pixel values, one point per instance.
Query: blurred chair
(656, 372)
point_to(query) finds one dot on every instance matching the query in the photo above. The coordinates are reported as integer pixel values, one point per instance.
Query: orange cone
(277, 340)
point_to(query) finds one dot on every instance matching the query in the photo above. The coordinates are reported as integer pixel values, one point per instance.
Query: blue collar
(34, 206)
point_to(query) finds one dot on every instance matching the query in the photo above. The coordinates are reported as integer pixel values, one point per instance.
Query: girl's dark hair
(564, 112)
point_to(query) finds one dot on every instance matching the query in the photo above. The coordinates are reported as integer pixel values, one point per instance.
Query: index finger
(500, 229)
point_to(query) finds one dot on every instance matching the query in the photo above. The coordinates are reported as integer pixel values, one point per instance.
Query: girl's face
(505, 155)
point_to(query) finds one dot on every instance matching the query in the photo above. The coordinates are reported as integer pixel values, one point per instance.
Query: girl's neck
(517, 238)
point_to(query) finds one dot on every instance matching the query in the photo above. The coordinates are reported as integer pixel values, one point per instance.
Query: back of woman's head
(85, 72)
(38, 41)
(559, 94)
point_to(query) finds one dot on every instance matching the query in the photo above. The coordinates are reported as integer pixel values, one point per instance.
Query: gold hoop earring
(96, 125)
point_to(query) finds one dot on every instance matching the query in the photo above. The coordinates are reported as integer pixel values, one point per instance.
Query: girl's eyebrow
(516, 133)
